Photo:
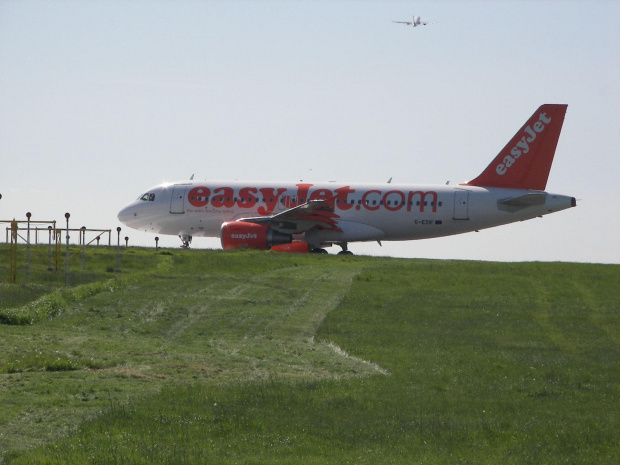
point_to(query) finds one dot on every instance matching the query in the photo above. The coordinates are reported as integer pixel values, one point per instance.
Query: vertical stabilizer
(526, 160)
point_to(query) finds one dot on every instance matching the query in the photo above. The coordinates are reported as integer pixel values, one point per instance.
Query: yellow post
(13, 258)
(57, 233)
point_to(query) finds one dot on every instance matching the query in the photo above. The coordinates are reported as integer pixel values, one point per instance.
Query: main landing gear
(345, 250)
(187, 240)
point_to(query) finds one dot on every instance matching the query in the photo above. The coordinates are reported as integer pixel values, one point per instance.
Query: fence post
(83, 238)
(49, 248)
(13, 259)
(67, 215)
(28, 215)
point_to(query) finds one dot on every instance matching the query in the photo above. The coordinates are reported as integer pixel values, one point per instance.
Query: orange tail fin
(526, 160)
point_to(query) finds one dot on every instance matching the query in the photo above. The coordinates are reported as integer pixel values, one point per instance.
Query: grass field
(198, 356)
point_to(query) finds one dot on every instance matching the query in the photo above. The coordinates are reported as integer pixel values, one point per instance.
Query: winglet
(526, 160)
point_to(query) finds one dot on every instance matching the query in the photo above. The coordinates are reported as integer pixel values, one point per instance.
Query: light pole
(118, 250)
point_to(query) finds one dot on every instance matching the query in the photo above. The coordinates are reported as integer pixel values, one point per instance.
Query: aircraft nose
(127, 214)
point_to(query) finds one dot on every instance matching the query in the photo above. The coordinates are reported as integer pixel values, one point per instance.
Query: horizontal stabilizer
(526, 200)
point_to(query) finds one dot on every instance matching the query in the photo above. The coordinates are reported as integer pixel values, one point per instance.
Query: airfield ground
(201, 356)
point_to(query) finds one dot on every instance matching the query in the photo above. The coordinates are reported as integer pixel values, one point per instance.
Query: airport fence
(29, 233)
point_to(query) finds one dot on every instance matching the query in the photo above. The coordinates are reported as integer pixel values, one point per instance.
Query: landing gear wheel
(320, 251)
(187, 240)
(345, 250)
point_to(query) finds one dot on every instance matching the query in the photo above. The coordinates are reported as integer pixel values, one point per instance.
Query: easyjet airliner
(307, 217)
(416, 22)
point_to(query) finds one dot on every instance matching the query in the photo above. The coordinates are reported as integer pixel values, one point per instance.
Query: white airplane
(416, 22)
(307, 217)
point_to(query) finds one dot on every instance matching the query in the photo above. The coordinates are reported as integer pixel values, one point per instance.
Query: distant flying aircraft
(416, 22)
(307, 216)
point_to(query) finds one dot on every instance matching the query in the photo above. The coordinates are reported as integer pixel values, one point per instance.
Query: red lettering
(372, 200)
(342, 195)
(366, 202)
(423, 196)
(323, 194)
(302, 192)
(398, 203)
(223, 197)
(198, 196)
(247, 197)
(271, 199)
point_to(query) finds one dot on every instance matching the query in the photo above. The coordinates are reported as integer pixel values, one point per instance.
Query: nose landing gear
(187, 240)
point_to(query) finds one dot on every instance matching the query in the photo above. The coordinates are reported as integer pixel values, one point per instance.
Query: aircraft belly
(351, 231)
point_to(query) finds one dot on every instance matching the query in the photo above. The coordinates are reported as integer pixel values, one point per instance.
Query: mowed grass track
(250, 357)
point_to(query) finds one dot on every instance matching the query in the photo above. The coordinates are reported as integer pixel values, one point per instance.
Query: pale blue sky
(100, 100)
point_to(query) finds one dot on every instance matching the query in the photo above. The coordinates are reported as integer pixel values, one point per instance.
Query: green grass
(251, 357)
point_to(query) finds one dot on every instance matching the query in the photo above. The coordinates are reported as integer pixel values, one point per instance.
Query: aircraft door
(177, 201)
(461, 204)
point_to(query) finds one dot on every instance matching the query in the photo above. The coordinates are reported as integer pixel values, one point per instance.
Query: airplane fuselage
(364, 212)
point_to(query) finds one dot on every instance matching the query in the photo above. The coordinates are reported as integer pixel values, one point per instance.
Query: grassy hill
(198, 356)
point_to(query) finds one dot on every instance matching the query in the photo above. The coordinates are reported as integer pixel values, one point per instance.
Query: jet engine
(243, 235)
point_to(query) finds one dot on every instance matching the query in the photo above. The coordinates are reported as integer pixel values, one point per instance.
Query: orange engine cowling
(243, 235)
(292, 247)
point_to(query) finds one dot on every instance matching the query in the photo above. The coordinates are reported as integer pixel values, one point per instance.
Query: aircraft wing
(313, 214)
(408, 23)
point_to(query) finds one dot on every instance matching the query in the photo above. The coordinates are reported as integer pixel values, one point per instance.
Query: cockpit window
(147, 197)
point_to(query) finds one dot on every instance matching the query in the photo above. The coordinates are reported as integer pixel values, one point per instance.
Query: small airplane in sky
(308, 217)
(416, 22)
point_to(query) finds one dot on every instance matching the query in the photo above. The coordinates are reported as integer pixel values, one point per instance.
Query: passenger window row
(395, 203)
